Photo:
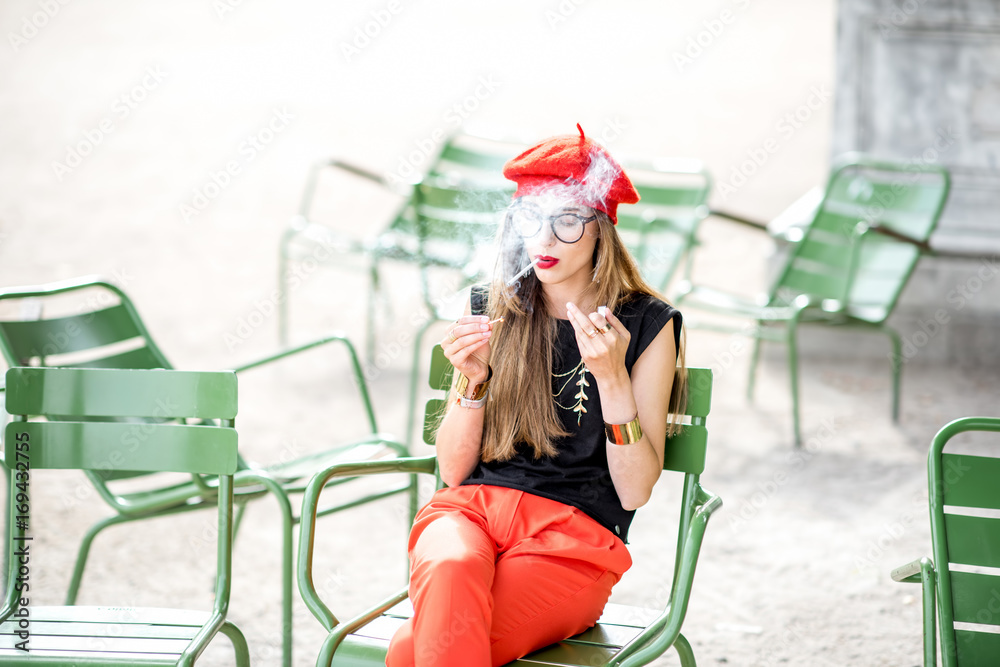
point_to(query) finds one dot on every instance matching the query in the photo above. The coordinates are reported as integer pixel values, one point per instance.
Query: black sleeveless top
(579, 474)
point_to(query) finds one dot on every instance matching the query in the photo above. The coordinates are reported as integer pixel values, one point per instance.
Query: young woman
(556, 424)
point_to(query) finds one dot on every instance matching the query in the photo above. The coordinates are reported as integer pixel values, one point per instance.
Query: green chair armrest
(900, 236)
(725, 215)
(307, 520)
(357, 170)
(662, 633)
(909, 573)
(923, 571)
(336, 337)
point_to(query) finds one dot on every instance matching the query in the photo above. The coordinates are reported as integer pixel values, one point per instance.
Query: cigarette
(523, 271)
(499, 319)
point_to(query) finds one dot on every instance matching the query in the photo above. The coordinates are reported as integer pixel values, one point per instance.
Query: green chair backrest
(661, 229)
(69, 442)
(62, 442)
(452, 224)
(866, 273)
(965, 531)
(685, 452)
(478, 158)
(105, 330)
(456, 215)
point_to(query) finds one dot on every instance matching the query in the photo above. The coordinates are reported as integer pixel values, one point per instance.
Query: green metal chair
(105, 331)
(661, 230)
(48, 635)
(461, 191)
(624, 636)
(848, 269)
(965, 540)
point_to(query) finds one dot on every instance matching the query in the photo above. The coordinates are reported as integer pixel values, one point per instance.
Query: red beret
(576, 162)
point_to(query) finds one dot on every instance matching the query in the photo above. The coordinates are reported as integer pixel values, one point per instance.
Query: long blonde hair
(521, 408)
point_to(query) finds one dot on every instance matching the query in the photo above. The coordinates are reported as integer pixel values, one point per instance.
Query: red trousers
(496, 573)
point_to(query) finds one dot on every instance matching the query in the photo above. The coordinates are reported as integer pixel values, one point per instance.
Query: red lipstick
(545, 262)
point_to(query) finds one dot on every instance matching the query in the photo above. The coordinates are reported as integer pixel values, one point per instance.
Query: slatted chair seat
(67, 635)
(618, 626)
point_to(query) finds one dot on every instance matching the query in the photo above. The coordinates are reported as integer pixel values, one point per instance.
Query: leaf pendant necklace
(581, 395)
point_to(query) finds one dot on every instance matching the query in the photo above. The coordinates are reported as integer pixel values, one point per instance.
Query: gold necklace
(580, 396)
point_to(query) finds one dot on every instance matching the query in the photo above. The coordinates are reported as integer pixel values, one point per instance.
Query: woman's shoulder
(645, 315)
(641, 307)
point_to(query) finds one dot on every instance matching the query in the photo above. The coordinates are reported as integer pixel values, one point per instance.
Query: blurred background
(166, 146)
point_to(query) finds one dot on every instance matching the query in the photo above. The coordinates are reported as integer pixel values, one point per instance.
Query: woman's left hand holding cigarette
(467, 346)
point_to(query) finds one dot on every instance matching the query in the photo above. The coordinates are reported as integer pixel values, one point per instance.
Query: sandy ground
(120, 117)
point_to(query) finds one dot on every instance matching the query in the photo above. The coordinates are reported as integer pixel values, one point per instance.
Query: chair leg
(754, 358)
(684, 651)
(6, 526)
(374, 288)
(239, 643)
(897, 367)
(240, 509)
(84, 552)
(287, 564)
(793, 373)
(411, 412)
(330, 644)
(283, 292)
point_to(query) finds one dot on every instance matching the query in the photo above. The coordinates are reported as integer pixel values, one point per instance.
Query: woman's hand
(467, 347)
(602, 340)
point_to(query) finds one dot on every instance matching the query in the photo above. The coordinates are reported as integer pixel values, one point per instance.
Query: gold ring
(591, 333)
(451, 336)
(606, 328)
